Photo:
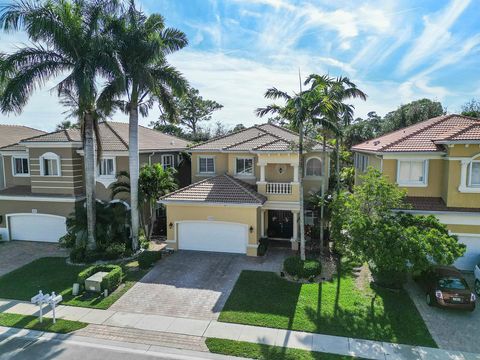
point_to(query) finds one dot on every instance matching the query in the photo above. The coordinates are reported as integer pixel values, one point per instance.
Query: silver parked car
(477, 278)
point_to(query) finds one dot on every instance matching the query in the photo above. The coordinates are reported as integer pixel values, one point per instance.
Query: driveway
(15, 254)
(193, 284)
(451, 329)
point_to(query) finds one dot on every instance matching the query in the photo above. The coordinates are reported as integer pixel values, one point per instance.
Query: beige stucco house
(245, 186)
(438, 162)
(44, 176)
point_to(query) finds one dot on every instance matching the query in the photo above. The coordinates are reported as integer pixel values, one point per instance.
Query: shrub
(77, 255)
(147, 258)
(110, 282)
(114, 251)
(262, 247)
(307, 269)
(388, 278)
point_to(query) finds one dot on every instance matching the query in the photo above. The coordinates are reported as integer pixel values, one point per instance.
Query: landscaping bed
(338, 308)
(54, 274)
(33, 323)
(267, 352)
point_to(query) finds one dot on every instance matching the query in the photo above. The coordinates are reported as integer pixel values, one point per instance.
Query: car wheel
(428, 298)
(477, 287)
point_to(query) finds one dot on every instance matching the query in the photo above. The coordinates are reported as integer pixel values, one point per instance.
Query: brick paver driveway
(193, 284)
(451, 329)
(15, 254)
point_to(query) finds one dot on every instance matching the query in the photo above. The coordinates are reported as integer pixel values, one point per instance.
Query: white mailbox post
(53, 301)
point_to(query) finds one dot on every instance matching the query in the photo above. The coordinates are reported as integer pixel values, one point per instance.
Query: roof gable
(12, 134)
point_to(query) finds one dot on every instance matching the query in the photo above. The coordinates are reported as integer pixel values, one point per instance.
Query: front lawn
(33, 323)
(339, 308)
(54, 274)
(266, 352)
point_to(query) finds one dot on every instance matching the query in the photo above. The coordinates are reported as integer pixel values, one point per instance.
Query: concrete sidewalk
(198, 330)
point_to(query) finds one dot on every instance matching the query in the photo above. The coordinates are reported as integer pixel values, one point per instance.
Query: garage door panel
(212, 236)
(472, 254)
(37, 227)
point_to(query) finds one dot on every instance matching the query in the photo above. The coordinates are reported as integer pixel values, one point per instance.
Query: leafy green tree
(68, 41)
(411, 113)
(169, 129)
(193, 110)
(471, 108)
(363, 129)
(366, 227)
(238, 127)
(142, 43)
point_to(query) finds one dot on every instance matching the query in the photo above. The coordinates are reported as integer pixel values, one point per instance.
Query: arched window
(50, 164)
(313, 167)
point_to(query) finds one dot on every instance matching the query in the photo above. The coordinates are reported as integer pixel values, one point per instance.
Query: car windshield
(452, 283)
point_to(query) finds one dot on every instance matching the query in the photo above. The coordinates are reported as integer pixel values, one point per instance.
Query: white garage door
(36, 227)
(472, 255)
(212, 236)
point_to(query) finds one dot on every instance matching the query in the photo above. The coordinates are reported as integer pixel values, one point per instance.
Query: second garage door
(212, 236)
(36, 227)
(472, 254)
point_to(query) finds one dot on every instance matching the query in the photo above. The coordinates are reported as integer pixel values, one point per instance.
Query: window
(361, 162)
(474, 174)
(244, 166)
(50, 164)
(20, 166)
(206, 165)
(412, 172)
(310, 217)
(314, 167)
(107, 167)
(167, 161)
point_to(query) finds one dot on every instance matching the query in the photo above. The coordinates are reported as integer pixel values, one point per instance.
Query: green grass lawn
(33, 323)
(54, 274)
(266, 352)
(334, 308)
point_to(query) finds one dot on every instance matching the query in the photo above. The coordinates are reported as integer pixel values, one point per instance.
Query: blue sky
(396, 51)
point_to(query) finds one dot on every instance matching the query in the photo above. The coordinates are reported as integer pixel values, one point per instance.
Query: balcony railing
(279, 188)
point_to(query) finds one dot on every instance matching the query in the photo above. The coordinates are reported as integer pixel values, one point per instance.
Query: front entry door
(280, 224)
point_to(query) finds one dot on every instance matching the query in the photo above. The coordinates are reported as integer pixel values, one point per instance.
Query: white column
(295, 173)
(463, 174)
(262, 223)
(295, 225)
(262, 172)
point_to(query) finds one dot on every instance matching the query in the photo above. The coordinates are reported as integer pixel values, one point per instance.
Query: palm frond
(274, 93)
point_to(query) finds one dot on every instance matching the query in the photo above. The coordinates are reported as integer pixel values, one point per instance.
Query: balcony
(278, 188)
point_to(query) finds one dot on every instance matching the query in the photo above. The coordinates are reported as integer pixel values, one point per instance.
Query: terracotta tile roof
(219, 189)
(265, 137)
(114, 137)
(434, 204)
(12, 134)
(424, 136)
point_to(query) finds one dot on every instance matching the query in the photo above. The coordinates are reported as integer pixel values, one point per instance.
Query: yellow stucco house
(245, 186)
(438, 162)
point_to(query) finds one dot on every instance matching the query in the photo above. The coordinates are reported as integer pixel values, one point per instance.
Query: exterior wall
(105, 193)
(373, 161)
(11, 180)
(71, 180)
(464, 229)
(236, 214)
(221, 165)
(454, 197)
(2, 176)
(232, 167)
(463, 150)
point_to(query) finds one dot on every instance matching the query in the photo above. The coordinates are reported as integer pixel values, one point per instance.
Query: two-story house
(245, 186)
(438, 162)
(44, 176)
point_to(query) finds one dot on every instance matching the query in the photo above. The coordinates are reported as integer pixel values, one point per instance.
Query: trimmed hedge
(307, 269)
(110, 282)
(147, 258)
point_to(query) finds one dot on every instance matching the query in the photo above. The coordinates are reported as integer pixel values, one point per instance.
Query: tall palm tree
(68, 41)
(142, 44)
(300, 109)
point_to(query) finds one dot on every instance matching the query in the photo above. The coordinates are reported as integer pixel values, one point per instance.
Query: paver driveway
(451, 329)
(193, 284)
(15, 254)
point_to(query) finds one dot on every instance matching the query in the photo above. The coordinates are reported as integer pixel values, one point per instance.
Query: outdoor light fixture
(170, 225)
(251, 229)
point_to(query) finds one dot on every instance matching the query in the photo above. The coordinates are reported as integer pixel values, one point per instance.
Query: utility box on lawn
(94, 282)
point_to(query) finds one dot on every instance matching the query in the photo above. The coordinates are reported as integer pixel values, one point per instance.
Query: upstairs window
(50, 164)
(107, 167)
(20, 166)
(244, 166)
(412, 172)
(474, 174)
(361, 162)
(167, 161)
(206, 165)
(314, 167)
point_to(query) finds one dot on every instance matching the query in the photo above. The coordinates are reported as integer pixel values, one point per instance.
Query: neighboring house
(11, 134)
(438, 162)
(44, 176)
(245, 186)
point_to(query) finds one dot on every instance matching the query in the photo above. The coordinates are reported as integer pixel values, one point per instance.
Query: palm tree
(68, 42)
(300, 109)
(141, 45)
(66, 124)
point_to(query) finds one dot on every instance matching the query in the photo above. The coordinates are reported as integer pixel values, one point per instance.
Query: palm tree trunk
(322, 207)
(89, 161)
(134, 173)
(337, 163)
(300, 179)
